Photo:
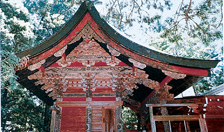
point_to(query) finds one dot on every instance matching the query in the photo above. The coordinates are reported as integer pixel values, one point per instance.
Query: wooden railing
(169, 118)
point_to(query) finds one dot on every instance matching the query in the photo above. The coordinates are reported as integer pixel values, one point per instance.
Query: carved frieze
(89, 53)
(89, 77)
(87, 33)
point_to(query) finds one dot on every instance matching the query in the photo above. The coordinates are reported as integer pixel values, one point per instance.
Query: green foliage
(16, 35)
(47, 17)
(19, 108)
(22, 111)
(129, 117)
(216, 79)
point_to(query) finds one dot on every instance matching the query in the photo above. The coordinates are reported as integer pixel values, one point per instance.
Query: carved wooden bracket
(36, 65)
(174, 75)
(23, 63)
(113, 51)
(137, 64)
(60, 52)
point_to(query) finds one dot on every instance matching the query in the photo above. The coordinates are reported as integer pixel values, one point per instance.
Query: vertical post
(55, 118)
(152, 121)
(143, 123)
(170, 126)
(203, 125)
(88, 118)
(185, 127)
(119, 119)
(164, 111)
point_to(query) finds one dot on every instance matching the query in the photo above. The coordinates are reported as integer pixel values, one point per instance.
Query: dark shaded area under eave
(141, 93)
(36, 90)
(180, 85)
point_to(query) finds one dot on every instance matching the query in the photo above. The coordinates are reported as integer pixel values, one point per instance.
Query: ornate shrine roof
(86, 26)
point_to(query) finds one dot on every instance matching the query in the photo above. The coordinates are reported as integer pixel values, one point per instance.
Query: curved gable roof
(124, 42)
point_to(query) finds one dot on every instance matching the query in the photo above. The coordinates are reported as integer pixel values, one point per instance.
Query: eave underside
(139, 94)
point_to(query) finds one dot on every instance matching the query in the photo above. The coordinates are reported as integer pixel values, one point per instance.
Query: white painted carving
(23, 63)
(36, 65)
(60, 52)
(113, 51)
(174, 75)
(137, 64)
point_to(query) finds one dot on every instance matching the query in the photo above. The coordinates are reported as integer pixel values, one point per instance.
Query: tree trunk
(3, 102)
(46, 118)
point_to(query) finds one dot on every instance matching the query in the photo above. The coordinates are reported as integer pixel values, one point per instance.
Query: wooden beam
(148, 97)
(203, 125)
(172, 105)
(190, 71)
(176, 117)
(87, 103)
(152, 120)
(166, 80)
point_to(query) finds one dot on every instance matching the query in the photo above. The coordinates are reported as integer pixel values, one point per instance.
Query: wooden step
(97, 125)
(96, 128)
(96, 112)
(96, 117)
(97, 122)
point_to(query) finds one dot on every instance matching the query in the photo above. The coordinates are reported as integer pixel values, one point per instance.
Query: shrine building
(87, 72)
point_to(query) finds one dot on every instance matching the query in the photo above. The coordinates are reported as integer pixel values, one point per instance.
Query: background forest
(186, 28)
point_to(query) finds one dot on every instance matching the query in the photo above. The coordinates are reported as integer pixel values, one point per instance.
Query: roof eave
(57, 37)
(149, 53)
(115, 36)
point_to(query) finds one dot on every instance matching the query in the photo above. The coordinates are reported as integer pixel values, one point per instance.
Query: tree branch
(119, 25)
(221, 17)
(110, 9)
(186, 13)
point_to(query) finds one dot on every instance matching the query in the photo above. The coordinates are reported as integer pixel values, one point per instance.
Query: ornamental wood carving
(137, 64)
(174, 74)
(87, 75)
(23, 63)
(36, 65)
(89, 67)
(87, 33)
(60, 52)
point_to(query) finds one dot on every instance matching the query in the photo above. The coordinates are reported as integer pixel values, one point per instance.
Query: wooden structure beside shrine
(88, 71)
